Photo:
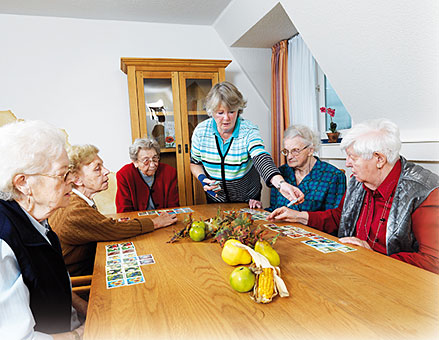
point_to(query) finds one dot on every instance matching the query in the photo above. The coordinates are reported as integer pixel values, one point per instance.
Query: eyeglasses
(293, 152)
(146, 161)
(61, 177)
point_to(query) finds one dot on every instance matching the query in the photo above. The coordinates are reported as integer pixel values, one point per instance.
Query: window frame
(321, 101)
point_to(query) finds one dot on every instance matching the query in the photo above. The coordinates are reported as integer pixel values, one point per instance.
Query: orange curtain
(280, 117)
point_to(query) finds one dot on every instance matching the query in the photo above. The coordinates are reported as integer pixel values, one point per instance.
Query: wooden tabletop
(186, 294)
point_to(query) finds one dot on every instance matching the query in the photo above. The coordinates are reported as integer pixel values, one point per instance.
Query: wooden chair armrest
(81, 280)
(81, 290)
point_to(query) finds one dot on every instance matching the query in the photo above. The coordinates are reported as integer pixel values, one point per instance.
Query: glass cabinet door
(194, 87)
(159, 118)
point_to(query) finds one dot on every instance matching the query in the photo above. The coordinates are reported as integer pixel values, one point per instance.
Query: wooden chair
(81, 284)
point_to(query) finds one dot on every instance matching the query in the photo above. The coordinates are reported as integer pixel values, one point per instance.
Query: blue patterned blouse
(323, 188)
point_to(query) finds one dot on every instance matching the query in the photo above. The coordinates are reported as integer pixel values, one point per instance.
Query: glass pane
(196, 92)
(342, 117)
(159, 111)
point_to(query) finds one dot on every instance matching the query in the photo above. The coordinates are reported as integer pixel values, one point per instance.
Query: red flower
(323, 109)
(169, 139)
(331, 112)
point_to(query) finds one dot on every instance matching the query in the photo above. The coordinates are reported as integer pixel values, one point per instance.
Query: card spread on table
(169, 211)
(256, 214)
(315, 241)
(123, 265)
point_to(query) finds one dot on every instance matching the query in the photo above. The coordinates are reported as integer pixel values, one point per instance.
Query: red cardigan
(133, 193)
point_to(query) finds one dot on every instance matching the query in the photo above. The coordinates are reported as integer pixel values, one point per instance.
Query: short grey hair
(227, 94)
(27, 147)
(305, 133)
(145, 144)
(375, 135)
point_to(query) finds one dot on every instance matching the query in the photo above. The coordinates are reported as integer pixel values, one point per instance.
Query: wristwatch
(280, 184)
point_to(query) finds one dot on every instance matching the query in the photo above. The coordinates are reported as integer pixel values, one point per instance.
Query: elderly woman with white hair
(228, 155)
(146, 184)
(322, 183)
(35, 290)
(391, 205)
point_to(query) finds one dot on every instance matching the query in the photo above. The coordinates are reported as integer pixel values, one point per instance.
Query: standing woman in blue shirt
(228, 154)
(322, 183)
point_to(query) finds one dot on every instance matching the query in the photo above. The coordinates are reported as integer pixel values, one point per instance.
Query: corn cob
(266, 285)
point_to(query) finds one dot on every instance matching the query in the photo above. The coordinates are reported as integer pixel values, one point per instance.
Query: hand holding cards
(206, 182)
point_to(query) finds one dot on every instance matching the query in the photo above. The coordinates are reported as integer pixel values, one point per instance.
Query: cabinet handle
(179, 148)
(186, 148)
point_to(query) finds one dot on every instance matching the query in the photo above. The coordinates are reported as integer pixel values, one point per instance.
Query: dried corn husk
(261, 294)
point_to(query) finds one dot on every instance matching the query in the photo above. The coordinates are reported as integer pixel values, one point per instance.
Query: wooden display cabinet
(166, 99)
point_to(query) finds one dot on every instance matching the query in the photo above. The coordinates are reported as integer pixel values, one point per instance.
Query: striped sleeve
(265, 166)
(255, 143)
(195, 148)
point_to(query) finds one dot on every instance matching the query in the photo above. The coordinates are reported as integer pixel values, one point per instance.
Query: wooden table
(186, 295)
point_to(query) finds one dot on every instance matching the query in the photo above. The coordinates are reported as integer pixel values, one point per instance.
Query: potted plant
(333, 135)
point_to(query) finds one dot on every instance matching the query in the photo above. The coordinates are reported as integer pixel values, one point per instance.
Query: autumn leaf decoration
(233, 225)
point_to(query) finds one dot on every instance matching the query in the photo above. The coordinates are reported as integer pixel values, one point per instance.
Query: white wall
(381, 57)
(67, 72)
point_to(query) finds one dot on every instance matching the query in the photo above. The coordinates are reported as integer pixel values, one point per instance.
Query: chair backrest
(7, 117)
(105, 200)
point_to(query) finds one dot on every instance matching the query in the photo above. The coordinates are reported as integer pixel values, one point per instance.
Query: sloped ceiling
(273, 27)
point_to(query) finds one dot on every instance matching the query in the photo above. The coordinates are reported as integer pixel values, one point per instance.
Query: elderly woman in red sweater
(146, 184)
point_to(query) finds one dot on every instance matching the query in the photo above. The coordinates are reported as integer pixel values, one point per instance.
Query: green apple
(242, 279)
(198, 224)
(197, 232)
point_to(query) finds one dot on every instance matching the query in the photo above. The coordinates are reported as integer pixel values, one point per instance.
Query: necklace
(299, 178)
(387, 206)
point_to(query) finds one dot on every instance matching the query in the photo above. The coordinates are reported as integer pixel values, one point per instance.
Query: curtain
(280, 116)
(302, 84)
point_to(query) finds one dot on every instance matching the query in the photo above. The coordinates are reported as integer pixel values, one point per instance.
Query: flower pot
(332, 136)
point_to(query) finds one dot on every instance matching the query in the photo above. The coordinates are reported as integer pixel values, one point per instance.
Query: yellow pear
(264, 248)
(233, 255)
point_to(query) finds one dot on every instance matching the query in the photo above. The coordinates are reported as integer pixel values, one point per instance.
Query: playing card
(113, 253)
(112, 262)
(346, 249)
(145, 262)
(142, 213)
(132, 274)
(135, 280)
(325, 249)
(113, 270)
(130, 261)
(112, 247)
(294, 235)
(310, 242)
(116, 276)
(128, 251)
(126, 245)
(116, 283)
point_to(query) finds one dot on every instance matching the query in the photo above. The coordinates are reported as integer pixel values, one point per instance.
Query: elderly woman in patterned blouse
(322, 183)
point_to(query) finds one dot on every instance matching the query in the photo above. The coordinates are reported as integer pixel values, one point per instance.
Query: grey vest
(414, 185)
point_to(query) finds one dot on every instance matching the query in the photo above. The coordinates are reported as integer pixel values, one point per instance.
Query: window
(327, 97)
